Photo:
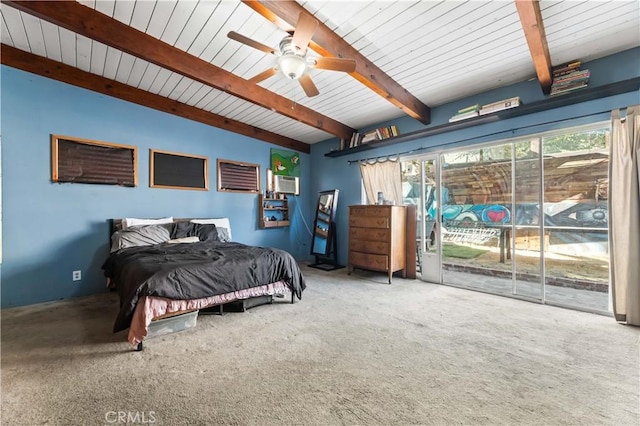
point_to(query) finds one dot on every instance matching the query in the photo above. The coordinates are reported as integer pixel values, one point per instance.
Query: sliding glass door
(527, 218)
(420, 181)
(476, 218)
(576, 183)
(527, 241)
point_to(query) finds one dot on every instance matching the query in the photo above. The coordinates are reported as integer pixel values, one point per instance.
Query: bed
(166, 267)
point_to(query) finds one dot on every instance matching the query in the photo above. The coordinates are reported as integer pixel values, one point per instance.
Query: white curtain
(624, 215)
(382, 176)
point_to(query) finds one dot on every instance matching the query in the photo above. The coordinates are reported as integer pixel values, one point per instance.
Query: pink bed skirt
(152, 307)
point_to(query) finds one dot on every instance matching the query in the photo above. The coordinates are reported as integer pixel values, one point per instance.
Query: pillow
(183, 229)
(206, 231)
(184, 240)
(139, 236)
(203, 231)
(221, 222)
(131, 221)
(223, 234)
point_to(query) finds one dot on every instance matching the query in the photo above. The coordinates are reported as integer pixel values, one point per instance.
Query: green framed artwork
(285, 163)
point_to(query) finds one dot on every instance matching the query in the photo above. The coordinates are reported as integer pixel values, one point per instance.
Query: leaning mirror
(324, 243)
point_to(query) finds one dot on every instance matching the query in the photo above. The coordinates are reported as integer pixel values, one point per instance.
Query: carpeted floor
(354, 351)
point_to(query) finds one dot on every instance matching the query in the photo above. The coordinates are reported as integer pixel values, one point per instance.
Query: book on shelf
(500, 105)
(568, 88)
(383, 133)
(354, 140)
(371, 135)
(387, 132)
(566, 68)
(576, 82)
(509, 102)
(466, 112)
(470, 108)
(572, 76)
(463, 116)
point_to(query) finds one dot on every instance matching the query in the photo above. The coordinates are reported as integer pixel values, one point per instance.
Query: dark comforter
(196, 270)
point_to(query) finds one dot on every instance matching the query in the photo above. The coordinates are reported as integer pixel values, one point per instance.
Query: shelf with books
(477, 109)
(373, 135)
(550, 102)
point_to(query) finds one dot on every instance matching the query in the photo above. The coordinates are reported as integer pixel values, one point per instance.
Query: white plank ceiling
(439, 51)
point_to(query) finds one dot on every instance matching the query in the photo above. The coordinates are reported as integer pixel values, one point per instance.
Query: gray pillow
(206, 232)
(210, 232)
(135, 236)
(183, 230)
(223, 234)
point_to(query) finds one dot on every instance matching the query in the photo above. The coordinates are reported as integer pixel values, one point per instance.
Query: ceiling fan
(292, 56)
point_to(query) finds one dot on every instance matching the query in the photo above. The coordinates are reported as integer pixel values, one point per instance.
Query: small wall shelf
(551, 102)
(273, 212)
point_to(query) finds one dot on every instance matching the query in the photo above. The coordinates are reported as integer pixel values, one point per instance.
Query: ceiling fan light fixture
(292, 65)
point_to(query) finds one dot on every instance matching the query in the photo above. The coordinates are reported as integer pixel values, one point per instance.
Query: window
(235, 176)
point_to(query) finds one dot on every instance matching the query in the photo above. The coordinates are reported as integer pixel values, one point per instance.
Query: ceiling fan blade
(249, 42)
(336, 64)
(307, 85)
(263, 75)
(305, 28)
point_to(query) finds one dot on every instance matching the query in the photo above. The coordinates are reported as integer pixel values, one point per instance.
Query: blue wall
(336, 173)
(51, 229)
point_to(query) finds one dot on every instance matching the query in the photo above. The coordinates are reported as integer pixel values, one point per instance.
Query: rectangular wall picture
(285, 163)
(174, 170)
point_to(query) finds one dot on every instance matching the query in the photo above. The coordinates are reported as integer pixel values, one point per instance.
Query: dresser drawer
(357, 210)
(374, 247)
(369, 261)
(370, 210)
(366, 234)
(380, 211)
(369, 222)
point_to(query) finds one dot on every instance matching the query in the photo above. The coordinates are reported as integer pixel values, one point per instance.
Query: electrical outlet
(77, 275)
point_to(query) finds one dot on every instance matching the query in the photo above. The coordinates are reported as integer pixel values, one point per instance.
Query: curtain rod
(386, 157)
(422, 148)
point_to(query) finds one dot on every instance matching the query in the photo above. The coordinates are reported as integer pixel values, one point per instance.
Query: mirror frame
(327, 216)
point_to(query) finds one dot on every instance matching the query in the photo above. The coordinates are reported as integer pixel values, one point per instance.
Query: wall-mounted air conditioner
(286, 184)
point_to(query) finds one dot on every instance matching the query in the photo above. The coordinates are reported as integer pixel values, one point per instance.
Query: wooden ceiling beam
(61, 72)
(531, 20)
(284, 14)
(83, 20)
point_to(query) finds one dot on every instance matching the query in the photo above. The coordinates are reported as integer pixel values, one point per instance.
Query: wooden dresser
(377, 238)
